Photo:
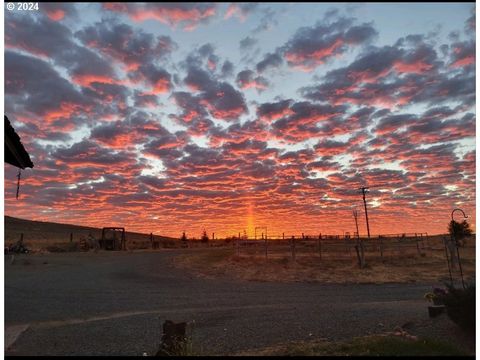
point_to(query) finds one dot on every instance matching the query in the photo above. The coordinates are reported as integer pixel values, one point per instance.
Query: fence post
(71, 237)
(416, 241)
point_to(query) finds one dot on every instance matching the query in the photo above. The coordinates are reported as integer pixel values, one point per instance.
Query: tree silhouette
(204, 236)
(459, 230)
(184, 237)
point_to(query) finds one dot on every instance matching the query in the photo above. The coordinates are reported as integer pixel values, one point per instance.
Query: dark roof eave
(15, 153)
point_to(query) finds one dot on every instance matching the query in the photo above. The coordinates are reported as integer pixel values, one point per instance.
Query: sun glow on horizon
(250, 220)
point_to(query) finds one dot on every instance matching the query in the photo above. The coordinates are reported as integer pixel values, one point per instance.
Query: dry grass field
(40, 236)
(400, 261)
(391, 268)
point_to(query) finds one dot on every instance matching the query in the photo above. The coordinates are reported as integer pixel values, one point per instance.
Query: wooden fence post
(416, 241)
(71, 237)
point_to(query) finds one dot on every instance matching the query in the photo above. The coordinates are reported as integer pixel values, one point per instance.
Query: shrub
(184, 237)
(460, 304)
(459, 230)
(204, 237)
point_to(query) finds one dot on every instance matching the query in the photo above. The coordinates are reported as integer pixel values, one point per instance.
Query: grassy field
(378, 345)
(387, 269)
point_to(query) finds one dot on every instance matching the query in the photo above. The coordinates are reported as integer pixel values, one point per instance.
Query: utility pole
(364, 190)
(359, 246)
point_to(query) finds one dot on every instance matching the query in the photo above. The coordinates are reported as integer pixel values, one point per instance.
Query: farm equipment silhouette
(110, 240)
(17, 248)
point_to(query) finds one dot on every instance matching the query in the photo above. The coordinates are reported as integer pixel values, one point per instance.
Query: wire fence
(329, 246)
(333, 246)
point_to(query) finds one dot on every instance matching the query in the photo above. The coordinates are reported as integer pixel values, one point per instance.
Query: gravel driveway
(113, 303)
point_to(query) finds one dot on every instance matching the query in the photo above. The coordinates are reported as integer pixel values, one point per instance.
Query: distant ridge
(14, 225)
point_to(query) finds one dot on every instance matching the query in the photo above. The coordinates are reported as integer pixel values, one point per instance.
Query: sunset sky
(184, 116)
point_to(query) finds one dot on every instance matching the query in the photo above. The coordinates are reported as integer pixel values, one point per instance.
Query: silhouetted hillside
(38, 234)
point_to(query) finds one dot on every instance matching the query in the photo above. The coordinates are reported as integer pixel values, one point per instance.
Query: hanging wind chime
(18, 182)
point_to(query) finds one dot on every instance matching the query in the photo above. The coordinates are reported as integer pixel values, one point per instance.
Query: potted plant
(460, 305)
(437, 297)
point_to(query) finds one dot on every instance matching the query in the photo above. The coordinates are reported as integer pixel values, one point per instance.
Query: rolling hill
(38, 234)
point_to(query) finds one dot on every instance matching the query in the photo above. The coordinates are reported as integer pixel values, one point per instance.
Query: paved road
(114, 304)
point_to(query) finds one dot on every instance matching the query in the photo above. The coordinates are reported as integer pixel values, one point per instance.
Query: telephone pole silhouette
(364, 190)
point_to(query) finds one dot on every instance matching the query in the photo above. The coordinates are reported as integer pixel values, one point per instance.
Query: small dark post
(71, 237)
(416, 241)
(21, 239)
(283, 236)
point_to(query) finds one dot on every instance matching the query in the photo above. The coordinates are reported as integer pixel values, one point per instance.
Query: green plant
(429, 296)
(437, 297)
(460, 305)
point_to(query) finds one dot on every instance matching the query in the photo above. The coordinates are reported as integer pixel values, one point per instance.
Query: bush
(460, 304)
(204, 237)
